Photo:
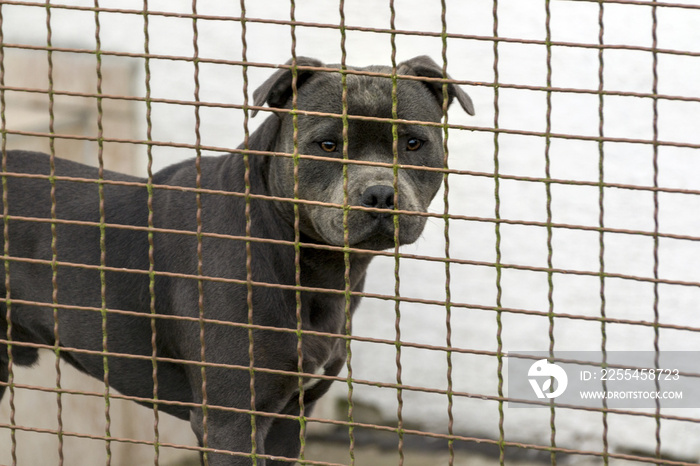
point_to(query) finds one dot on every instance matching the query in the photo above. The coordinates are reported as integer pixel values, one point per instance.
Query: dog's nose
(378, 197)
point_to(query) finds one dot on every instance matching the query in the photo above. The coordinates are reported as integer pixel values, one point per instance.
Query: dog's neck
(320, 267)
(331, 269)
(329, 311)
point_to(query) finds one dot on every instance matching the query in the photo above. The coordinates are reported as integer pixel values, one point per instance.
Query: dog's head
(373, 187)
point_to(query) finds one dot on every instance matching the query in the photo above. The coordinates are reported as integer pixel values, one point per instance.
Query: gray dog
(202, 266)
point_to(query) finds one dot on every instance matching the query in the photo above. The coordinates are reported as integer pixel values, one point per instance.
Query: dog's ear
(425, 66)
(278, 87)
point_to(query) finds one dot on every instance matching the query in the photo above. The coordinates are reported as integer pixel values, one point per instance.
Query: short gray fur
(270, 175)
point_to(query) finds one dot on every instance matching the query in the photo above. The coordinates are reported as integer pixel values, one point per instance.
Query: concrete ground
(367, 452)
(376, 456)
(335, 453)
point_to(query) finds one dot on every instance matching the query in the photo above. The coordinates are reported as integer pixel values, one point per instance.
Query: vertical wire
(6, 248)
(655, 129)
(54, 237)
(151, 247)
(497, 226)
(346, 230)
(446, 217)
(397, 278)
(297, 233)
(548, 192)
(200, 259)
(103, 249)
(601, 218)
(248, 232)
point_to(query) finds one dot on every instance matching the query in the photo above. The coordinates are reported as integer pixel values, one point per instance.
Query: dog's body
(186, 279)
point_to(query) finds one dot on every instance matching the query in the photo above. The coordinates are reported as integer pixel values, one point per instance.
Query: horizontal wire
(369, 426)
(523, 87)
(451, 260)
(344, 424)
(649, 3)
(296, 374)
(484, 129)
(182, 189)
(456, 349)
(354, 293)
(448, 35)
(322, 159)
(158, 443)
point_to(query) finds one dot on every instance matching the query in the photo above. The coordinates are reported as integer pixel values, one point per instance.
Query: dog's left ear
(425, 66)
(277, 90)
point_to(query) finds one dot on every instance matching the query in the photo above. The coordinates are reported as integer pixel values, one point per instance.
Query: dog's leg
(230, 432)
(283, 440)
(228, 427)
(21, 355)
(283, 437)
(4, 372)
(4, 369)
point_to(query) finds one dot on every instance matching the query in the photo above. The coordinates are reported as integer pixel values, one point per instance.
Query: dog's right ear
(277, 90)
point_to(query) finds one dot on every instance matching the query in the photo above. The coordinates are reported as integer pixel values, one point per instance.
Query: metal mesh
(505, 445)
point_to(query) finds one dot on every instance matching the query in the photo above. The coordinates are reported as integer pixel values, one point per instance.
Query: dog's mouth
(375, 230)
(381, 227)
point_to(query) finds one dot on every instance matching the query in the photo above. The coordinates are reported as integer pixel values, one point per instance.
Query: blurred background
(500, 177)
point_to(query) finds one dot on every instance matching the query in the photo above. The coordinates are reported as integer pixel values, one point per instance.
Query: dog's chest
(324, 341)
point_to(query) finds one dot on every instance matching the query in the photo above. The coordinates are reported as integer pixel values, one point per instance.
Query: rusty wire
(103, 247)
(248, 220)
(550, 249)
(151, 248)
(446, 233)
(297, 232)
(346, 232)
(601, 220)
(449, 304)
(54, 251)
(497, 227)
(6, 251)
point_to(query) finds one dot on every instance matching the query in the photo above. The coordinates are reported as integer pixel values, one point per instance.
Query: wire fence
(650, 251)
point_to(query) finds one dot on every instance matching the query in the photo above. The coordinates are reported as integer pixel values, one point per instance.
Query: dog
(223, 232)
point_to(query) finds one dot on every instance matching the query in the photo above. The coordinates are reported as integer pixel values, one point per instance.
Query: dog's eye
(328, 146)
(413, 144)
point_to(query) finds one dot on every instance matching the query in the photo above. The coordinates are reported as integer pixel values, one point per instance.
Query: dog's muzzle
(373, 223)
(379, 223)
